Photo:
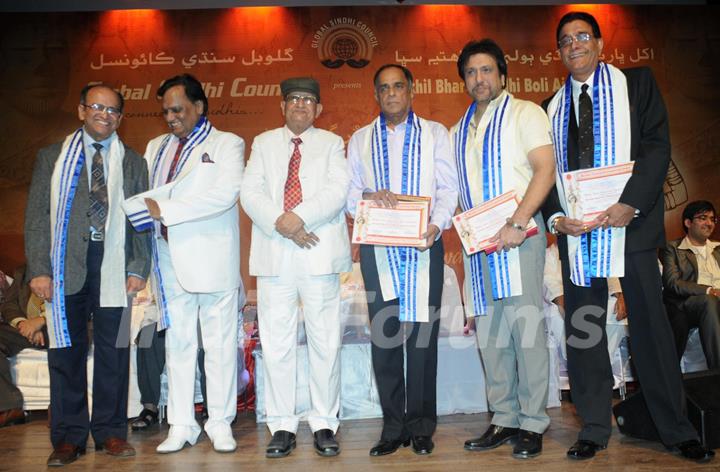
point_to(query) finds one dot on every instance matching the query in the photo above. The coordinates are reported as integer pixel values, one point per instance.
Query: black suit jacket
(649, 148)
(680, 273)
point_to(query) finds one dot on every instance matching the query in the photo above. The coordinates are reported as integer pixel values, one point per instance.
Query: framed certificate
(589, 192)
(480, 224)
(403, 225)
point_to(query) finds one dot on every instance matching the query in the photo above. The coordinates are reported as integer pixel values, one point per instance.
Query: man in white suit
(294, 191)
(195, 180)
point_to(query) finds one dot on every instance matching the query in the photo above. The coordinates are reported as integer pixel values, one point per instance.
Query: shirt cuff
(16, 321)
(136, 275)
(552, 218)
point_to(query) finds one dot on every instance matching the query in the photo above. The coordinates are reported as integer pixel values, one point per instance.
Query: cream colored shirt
(708, 269)
(531, 128)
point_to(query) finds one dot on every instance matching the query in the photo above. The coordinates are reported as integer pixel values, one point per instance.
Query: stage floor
(26, 447)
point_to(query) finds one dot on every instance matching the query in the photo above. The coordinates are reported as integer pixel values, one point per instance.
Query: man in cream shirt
(502, 144)
(294, 191)
(691, 281)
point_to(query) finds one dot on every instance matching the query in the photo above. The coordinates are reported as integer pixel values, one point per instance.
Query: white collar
(577, 85)
(687, 245)
(289, 134)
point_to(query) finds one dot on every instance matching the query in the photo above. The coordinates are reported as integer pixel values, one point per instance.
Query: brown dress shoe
(13, 416)
(116, 447)
(64, 454)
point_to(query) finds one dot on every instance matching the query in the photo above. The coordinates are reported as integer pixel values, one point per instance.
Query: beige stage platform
(26, 447)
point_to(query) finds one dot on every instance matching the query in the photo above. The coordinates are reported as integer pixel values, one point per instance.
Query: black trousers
(150, 363)
(408, 399)
(68, 371)
(702, 312)
(11, 343)
(653, 351)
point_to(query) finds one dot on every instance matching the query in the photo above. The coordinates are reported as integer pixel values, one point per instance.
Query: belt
(97, 236)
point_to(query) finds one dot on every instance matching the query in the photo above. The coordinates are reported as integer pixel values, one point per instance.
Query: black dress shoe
(584, 449)
(144, 420)
(494, 436)
(388, 446)
(694, 451)
(528, 445)
(325, 443)
(64, 454)
(422, 445)
(281, 444)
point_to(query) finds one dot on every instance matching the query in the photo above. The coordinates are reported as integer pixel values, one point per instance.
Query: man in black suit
(691, 279)
(83, 258)
(637, 122)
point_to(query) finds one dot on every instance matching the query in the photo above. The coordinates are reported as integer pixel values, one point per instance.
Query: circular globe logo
(344, 48)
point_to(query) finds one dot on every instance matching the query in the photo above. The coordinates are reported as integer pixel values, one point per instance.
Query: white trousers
(278, 319)
(218, 314)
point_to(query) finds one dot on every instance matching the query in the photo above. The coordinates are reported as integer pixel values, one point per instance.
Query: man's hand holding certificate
(592, 198)
(479, 228)
(388, 219)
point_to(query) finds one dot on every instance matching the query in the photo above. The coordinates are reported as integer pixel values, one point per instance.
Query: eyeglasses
(708, 218)
(100, 108)
(567, 40)
(306, 99)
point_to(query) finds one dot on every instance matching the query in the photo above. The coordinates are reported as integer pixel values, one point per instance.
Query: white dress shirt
(444, 195)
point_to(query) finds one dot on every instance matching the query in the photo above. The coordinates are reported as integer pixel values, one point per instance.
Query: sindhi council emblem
(344, 41)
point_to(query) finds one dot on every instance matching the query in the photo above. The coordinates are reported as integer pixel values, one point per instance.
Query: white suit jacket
(200, 210)
(324, 180)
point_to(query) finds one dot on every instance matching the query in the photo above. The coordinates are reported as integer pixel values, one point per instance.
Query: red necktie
(173, 165)
(293, 190)
(175, 160)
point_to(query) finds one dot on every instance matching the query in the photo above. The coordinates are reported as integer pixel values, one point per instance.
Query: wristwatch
(514, 225)
(553, 228)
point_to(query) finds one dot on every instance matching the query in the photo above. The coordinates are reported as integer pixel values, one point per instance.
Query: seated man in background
(150, 362)
(554, 308)
(691, 281)
(22, 326)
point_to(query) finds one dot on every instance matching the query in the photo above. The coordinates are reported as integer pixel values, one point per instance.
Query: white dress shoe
(177, 438)
(222, 438)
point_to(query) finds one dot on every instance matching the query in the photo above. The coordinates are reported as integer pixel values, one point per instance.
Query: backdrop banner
(242, 54)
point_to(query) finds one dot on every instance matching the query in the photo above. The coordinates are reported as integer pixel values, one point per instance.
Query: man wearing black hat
(294, 191)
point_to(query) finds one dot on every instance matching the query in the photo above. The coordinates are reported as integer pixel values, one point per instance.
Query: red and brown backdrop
(242, 54)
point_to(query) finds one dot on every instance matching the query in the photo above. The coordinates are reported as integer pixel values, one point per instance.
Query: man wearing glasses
(83, 259)
(294, 191)
(604, 116)
(691, 281)
(401, 153)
